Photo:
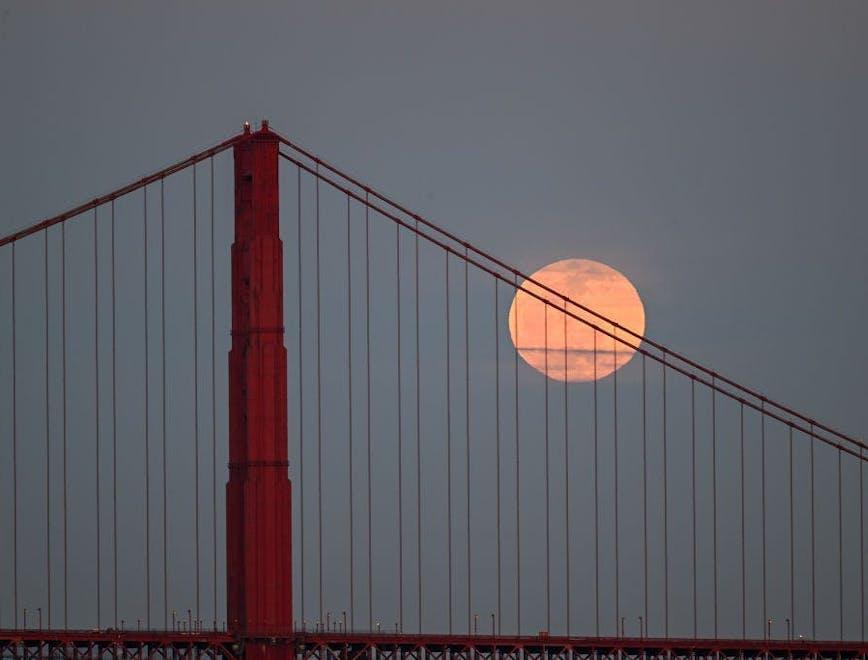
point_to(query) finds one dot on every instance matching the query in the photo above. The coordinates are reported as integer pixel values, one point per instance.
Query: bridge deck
(389, 646)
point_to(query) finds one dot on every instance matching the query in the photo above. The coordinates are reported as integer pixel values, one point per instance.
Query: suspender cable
(196, 391)
(548, 490)
(96, 411)
(497, 448)
(213, 403)
(147, 418)
(418, 444)
(114, 423)
(14, 455)
(813, 545)
(350, 419)
(693, 497)
(63, 419)
(368, 401)
(448, 438)
(644, 496)
(792, 539)
(743, 561)
(615, 454)
(163, 395)
(566, 466)
(840, 553)
(714, 494)
(861, 546)
(301, 525)
(665, 506)
(47, 440)
(467, 427)
(318, 405)
(596, 503)
(517, 482)
(400, 434)
(763, 505)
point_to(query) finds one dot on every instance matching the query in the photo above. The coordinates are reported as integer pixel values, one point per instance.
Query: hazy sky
(714, 152)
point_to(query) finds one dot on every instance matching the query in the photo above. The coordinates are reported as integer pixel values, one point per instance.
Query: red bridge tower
(259, 518)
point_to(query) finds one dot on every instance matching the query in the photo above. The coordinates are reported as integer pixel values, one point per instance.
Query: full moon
(562, 347)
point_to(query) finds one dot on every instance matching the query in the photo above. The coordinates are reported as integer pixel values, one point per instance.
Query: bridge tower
(258, 512)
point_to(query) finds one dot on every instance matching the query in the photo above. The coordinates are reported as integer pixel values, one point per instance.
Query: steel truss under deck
(27, 644)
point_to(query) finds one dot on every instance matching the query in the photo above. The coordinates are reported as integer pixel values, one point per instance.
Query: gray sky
(715, 153)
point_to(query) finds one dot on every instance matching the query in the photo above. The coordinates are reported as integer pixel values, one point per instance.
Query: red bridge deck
(388, 646)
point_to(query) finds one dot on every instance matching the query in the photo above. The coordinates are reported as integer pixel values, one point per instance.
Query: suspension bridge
(447, 501)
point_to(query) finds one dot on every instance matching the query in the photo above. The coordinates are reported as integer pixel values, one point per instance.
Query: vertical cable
(467, 426)
(318, 401)
(665, 505)
(517, 476)
(114, 423)
(163, 395)
(714, 490)
(567, 465)
(418, 442)
(813, 544)
(213, 402)
(47, 438)
(693, 495)
(743, 560)
(548, 490)
(861, 465)
(14, 454)
(350, 418)
(368, 397)
(147, 420)
(615, 449)
(763, 506)
(792, 539)
(644, 493)
(840, 551)
(400, 431)
(196, 388)
(497, 441)
(96, 410)
(596, 502)
(448, 437)
(63, 418)
(301, 525)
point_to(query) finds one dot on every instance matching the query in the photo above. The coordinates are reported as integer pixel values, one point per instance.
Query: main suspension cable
(545, 288)
(712, 382)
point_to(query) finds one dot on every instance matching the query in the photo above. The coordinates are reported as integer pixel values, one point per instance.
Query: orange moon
(566, 351)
